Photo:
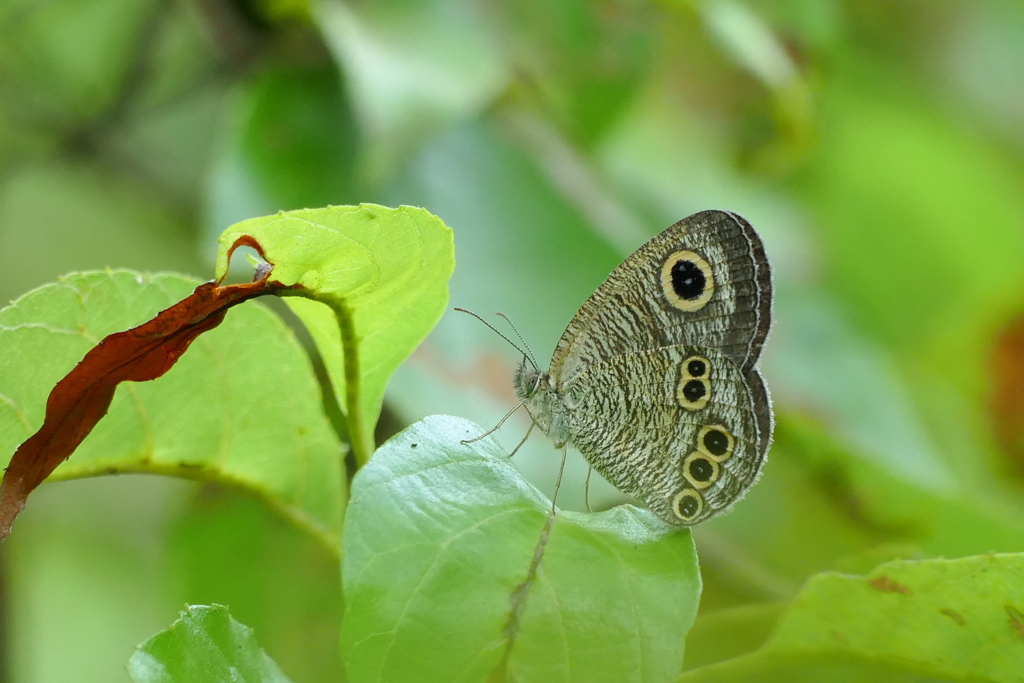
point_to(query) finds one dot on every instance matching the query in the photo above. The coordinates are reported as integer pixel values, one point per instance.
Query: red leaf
(82, 398)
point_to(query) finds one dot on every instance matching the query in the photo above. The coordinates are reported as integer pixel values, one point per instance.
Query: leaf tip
(12, 502)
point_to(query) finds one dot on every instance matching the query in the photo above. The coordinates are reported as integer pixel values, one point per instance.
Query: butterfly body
(655, 378)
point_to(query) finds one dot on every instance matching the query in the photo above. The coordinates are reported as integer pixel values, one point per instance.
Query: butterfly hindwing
(678, 427)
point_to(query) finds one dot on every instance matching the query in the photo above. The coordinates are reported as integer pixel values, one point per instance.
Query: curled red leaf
(83, 396)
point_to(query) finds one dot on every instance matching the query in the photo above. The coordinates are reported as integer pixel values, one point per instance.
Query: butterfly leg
(558, 482)
(495, 427)
(523, 440)
(586, 489)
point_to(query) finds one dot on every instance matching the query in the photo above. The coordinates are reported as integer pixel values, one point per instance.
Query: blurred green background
(878, 147)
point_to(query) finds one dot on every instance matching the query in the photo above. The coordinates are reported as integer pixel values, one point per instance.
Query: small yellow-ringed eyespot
(687, 505)
(693, 394)
(687, 280)
(700, 470)
(696, 367)
(716, 442)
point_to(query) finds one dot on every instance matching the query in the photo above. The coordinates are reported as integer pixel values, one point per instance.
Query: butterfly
(655, 379)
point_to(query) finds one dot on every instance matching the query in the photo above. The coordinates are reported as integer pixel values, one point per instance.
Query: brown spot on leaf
(886, 585)
(839, 637)
(83, 396)
(954, 615)
(1016, 621)
(1006, 402)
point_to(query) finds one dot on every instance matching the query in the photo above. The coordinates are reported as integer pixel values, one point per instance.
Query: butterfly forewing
(703, 281)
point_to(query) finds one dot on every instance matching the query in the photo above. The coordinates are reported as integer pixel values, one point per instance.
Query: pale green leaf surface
(438, 545)
(950, 620)
(383, 275)
(241, 407)
(204, 645)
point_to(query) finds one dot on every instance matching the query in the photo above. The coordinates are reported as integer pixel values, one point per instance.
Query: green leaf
(241, 407)
(453, 568)
(291, 143)
(584, 65)
(383, 275)
(205, 644)
(950, 620)
(60, 217)
(67, 60)
(413, 68)
(228, 549)
(894, 167)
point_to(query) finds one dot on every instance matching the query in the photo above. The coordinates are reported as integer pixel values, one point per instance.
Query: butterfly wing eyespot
(696, 367)
(687, 505)
(716, 442)
(700, 470)
(694, 390)
(693, 394)
(687, 280)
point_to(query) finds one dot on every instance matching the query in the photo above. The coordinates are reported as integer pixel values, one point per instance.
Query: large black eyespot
(694, 390)
(696, 368)
(716, 442)
(701, 469)
(687, 280)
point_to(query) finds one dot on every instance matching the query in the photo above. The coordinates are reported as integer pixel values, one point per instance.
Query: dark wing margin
(765, 287)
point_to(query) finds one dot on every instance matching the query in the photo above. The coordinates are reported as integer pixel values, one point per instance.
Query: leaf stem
(362, 445)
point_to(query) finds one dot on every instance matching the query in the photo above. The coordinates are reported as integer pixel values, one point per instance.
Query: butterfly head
(528, 380)
(537, 391)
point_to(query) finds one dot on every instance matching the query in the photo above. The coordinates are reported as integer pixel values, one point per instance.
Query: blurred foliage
(878, 147)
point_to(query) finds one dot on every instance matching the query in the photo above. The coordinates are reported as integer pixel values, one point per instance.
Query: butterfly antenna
(495, 330)
(533, 360)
